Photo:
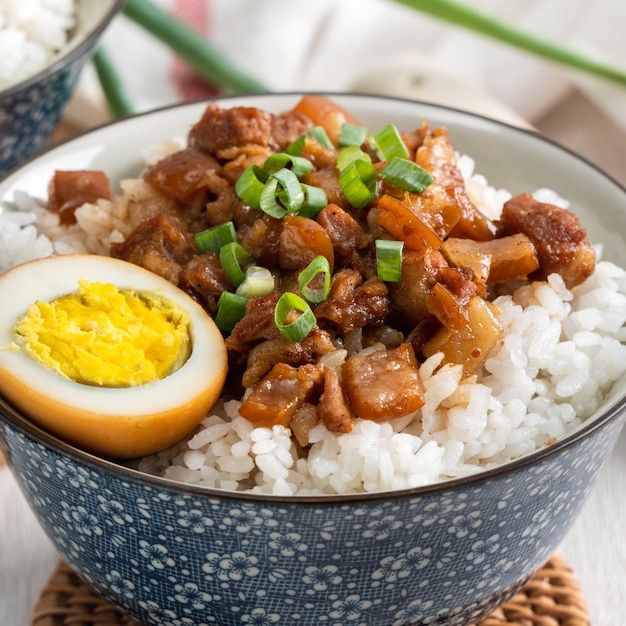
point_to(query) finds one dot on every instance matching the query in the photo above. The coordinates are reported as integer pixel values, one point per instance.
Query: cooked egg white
(106, 355)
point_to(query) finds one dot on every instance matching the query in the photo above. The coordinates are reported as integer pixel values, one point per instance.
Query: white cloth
(327, 45)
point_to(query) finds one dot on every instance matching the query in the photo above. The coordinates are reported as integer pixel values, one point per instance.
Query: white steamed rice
(32, 32)
(561, 352)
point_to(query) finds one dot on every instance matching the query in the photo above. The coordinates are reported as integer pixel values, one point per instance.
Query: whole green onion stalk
(204, 58)
(461, 15)
(113, 87)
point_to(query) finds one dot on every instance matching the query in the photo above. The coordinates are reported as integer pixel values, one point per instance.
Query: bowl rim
(74, 52)
(129, 474)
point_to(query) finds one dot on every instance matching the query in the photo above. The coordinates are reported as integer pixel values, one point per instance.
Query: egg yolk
(105, 336)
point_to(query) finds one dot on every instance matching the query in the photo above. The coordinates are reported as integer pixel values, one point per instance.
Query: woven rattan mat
(551, 598)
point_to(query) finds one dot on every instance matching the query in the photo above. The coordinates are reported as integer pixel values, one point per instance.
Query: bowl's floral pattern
(183, 557)
(29, 116)
(30, 110)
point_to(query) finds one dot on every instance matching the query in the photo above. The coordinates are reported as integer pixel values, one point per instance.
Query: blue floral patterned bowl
(171, 554)
(31, 109)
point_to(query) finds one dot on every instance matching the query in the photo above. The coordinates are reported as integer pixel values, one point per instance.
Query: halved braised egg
(107, 355)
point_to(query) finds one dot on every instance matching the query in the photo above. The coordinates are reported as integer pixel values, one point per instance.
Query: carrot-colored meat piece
(471, 255)
(437, 208)
(436, 155)
(280, 394)
(256, 325)
(346, 234)
(220, 129)
(512, 258)
(353, 303)
(409, 297)
(471, 345)
(448, 309)
(204, 278)
(561, 242)
(161, 245)
(383, 385)
(263, 356)
(405, 223)
(301, 240)
(430, 287)
(321, 156)
(333, 409)
(261, 239)
(497, 261)
(181, 174)
(69, 190)
(288, 126)
(327, 178)
(326, 113)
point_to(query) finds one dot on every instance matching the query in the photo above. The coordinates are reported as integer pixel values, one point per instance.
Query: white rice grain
(32, 33)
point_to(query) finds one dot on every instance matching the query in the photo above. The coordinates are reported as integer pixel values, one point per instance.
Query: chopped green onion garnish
(352, 153)
(300, 327)
(315, 199)
(317, 132)
(389, 260)
(297, 146)
(235, 258)
(358, 182)
(388, 143)
(259, 281)
(269, 203)
(214, 238)
(406, 175)
(282, 194)
(297, 164)
(250, 185)
(316, 272)
(230, 309)
(351, 135)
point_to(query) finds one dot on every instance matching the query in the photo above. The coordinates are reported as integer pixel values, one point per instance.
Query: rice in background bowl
(449, 552)
(43, 47)
(31, 37)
